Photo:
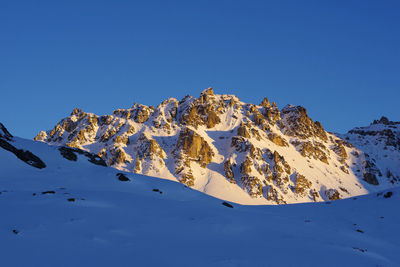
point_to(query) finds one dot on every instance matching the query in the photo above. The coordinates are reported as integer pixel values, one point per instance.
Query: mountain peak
(265, 103)
(383, 120)
(208, 91)
(217, 144)
(76, 111)
(291, 108)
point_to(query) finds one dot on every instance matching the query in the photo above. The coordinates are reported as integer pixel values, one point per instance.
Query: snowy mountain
(62, 207)
(240, 152)
(381, 143)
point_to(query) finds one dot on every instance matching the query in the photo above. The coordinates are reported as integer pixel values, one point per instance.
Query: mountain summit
(241, 152)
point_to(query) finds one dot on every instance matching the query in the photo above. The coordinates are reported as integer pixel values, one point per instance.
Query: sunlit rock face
(242, 152)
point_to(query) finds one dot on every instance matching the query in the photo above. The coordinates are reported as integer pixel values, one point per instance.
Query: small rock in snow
(227, 204)
(388, 194)
(122, 177)
(48, 192)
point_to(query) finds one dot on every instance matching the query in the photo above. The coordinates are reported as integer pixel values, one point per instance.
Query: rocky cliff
(246, 153)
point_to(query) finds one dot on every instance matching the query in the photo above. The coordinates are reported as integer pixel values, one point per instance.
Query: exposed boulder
(122, 177)
(226, 204)
(332, 194)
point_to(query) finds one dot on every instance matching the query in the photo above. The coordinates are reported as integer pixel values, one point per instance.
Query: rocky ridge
(246, 153)
(380, 143)
(6, 143)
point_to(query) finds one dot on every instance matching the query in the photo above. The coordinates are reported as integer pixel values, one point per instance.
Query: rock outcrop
(7, 143)
(296, 122)
(332, 194)
(229, 172)
(194, 147)
(4, 133)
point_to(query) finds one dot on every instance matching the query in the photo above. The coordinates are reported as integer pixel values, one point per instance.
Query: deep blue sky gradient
(339, 59)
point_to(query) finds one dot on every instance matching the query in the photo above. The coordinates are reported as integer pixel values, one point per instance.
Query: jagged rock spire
(76, 111)
(383, 120)
(265, 103)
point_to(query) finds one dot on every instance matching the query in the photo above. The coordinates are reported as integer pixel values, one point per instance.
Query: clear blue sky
(339, 59)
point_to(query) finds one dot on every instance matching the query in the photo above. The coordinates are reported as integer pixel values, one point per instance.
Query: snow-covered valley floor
(80, 214)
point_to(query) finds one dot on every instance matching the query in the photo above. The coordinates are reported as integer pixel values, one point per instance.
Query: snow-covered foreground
(80, 214)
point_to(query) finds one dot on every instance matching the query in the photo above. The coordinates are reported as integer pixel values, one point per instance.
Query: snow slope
(80, 214)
